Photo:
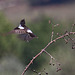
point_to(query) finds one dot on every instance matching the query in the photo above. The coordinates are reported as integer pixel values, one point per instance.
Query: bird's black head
(22, 22)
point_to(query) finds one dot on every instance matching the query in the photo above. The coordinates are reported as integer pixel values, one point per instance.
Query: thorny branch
(44, 49)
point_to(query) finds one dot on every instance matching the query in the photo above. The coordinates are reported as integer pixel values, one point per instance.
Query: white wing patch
(29, 31)
(21, 27)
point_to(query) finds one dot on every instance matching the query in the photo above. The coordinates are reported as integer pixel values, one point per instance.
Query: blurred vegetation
(24, 51)
(48, 2)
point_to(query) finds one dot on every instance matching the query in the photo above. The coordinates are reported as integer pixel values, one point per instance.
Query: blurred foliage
(47, 2)
(26, 51)
(10, 65)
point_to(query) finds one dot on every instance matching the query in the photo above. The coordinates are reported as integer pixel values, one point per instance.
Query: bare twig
(72, 27)
(66, 41)
(52, 35)
(44, 50)
(53, 29)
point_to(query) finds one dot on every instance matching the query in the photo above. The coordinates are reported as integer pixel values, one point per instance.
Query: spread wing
(24, 33)
(11, 32)
(27, 37)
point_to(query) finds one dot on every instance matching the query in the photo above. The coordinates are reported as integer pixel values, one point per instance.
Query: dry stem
(44, 49)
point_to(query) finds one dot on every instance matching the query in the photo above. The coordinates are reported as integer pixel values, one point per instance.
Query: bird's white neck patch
(29, 31)
(21, 27)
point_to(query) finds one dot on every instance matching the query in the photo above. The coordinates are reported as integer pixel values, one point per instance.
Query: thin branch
(52, 58)
(52, 30)
(66, 41)
(43, 50)
(71, 38)
(32, 61)
(72, 27)
(49, 54)
(52, 35)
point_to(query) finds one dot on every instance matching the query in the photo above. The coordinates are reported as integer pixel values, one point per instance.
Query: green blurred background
(16, 54)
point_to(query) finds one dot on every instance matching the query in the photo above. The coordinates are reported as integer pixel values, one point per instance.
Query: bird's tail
(32, 35)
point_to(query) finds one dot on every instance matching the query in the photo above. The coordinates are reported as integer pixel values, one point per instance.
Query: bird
(24, 33)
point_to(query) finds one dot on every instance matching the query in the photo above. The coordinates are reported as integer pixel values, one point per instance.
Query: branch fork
(52, 41)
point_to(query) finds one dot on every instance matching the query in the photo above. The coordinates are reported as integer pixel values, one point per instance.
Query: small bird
(23, 32)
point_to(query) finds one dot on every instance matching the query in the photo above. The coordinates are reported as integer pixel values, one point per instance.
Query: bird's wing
(11, 32)
(26, 37)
